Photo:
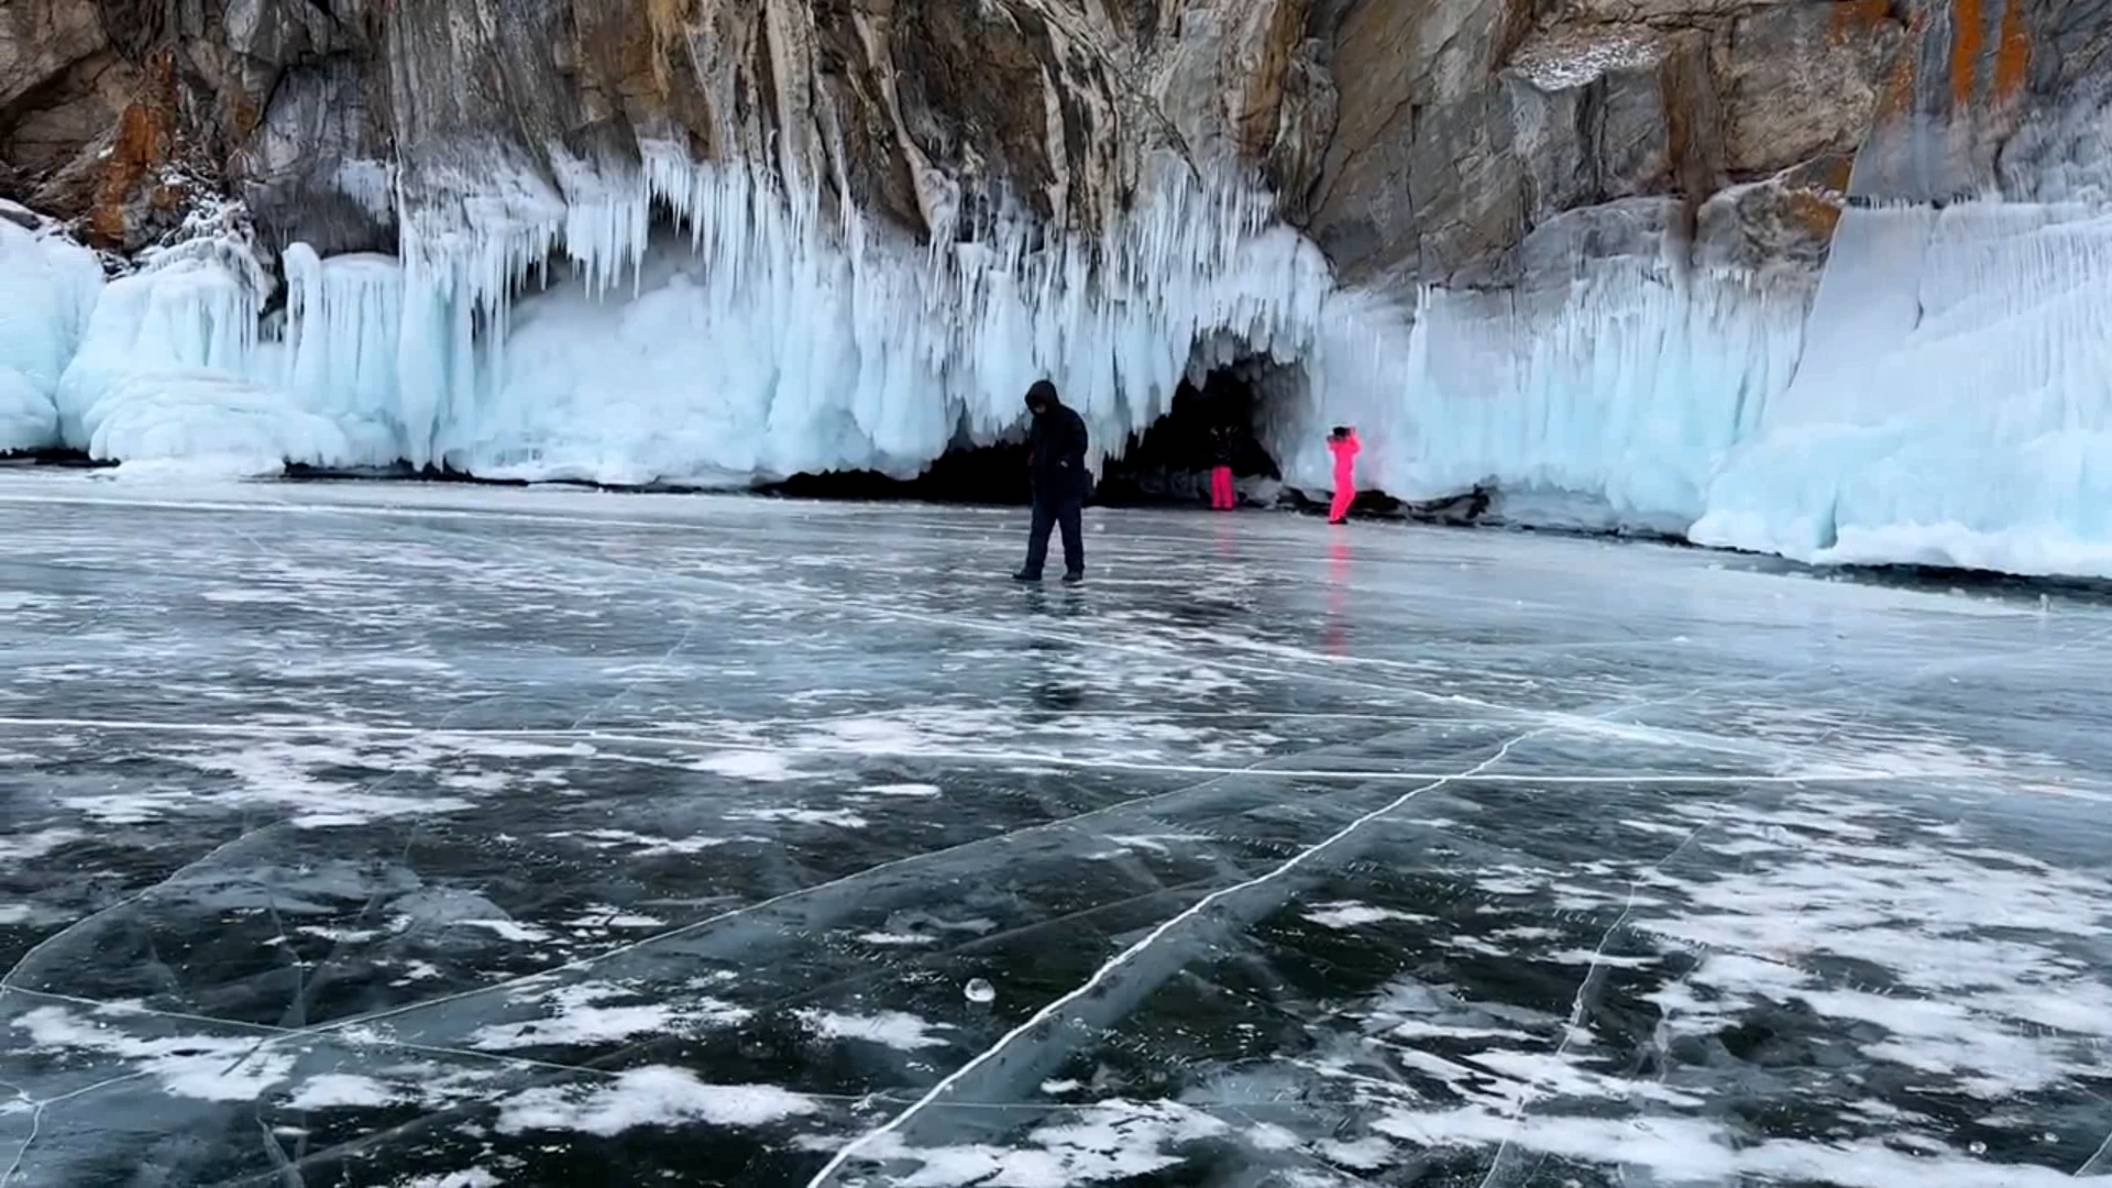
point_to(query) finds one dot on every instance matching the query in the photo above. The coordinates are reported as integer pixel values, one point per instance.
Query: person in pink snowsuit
(1343, 441)
(1224, 495)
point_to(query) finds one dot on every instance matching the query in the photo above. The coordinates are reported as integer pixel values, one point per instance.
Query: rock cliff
(1417, 141)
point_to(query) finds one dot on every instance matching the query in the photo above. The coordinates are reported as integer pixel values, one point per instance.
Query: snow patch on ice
(918, 790)
(838, 818)
(655, 1095)
(1348, 913)
(512, 930)
(891, 1029)
(1108, 1141)
(1687, 1150)
(25, 846)
(580, 1015)
(209, 1068)
(761, 766)
(648, 845)
(897, 938)
(339, 1090)
(475, 1177)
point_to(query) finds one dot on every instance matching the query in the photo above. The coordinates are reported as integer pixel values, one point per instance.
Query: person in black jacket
(1056, 453)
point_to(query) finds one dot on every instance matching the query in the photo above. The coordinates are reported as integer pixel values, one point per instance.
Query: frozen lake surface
(370, 834)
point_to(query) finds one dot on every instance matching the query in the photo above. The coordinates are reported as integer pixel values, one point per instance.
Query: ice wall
(754, 337)
(48, 285)
(1952, 407)
(1608, 401)
(1943, 401)
(686, 323)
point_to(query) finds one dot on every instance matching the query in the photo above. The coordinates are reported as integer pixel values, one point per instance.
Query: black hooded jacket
(1056, 449)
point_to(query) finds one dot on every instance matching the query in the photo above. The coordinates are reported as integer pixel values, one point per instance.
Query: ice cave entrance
(1170, 462)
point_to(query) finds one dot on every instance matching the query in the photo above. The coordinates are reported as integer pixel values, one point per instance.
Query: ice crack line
(896, 1123)
(7, 980)
(1576, 1009)
(2092, 1164)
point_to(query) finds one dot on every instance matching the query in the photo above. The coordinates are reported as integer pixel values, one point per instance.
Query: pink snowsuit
(1345, 449)
(1223, 495)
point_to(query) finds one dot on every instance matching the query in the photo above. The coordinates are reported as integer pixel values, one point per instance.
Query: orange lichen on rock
(2012, 53)
(247, 114)
(1896, 97)
(1967, 36)
(1856, 16)
(145, 141)
(1815, 212)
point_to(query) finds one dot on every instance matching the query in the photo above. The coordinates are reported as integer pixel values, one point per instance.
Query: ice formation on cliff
(1954, 403)
(47, 287)
(772, 341)
(1942, 401)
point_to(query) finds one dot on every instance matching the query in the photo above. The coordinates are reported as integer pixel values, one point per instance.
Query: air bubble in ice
(980, 990)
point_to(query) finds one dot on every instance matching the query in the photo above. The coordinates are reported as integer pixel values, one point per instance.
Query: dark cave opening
(967, 474)
(1168, 464)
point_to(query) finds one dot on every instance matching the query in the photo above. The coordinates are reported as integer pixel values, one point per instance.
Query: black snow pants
(1048, 514)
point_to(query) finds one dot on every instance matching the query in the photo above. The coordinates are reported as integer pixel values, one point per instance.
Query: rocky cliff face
(1417, 141)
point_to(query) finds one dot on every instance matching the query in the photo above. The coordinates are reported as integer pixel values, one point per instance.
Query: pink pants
(1223, 496)
(1345, 494)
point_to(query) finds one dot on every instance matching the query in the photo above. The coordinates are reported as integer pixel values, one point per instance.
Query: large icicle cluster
(1608, 401)
(743, 336)
(775, 341)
